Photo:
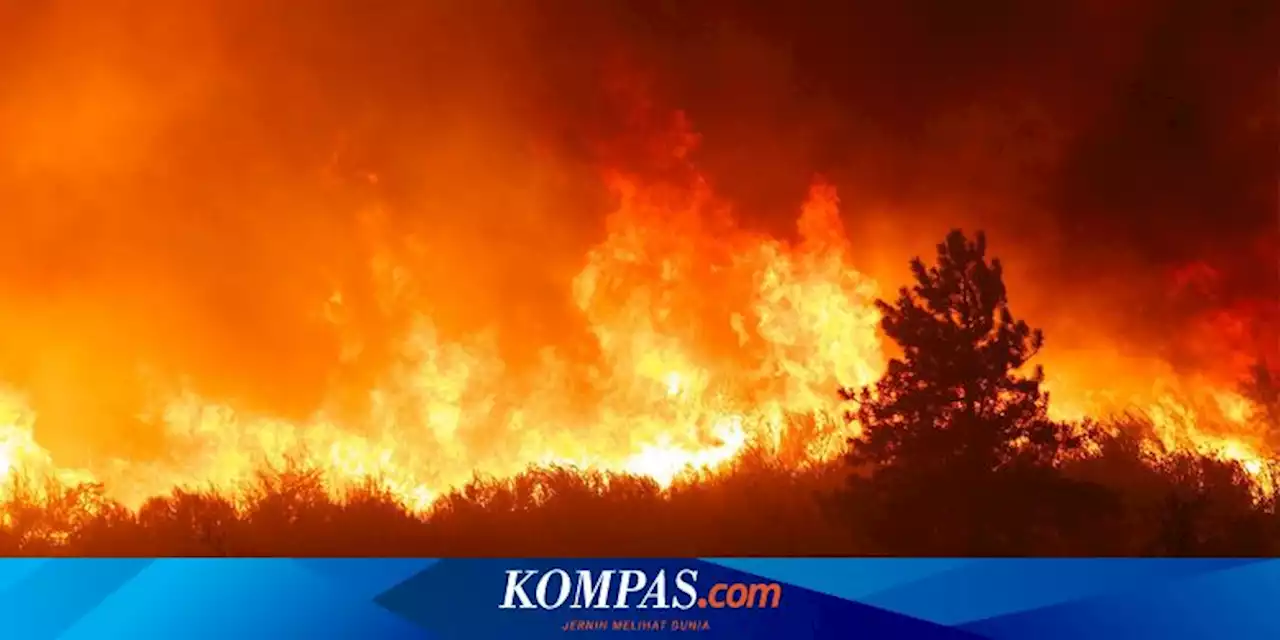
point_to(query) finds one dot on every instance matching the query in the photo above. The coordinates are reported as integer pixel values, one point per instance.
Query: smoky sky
(182, 182)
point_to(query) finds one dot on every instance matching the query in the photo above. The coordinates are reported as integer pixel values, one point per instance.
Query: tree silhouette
(955, 437)
(956, 398)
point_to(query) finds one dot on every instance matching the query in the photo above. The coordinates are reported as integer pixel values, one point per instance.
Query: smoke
(183, 186)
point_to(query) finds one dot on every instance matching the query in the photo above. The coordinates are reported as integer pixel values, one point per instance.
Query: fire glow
(711, 338)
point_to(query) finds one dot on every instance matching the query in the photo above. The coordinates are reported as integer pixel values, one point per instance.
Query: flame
(710, 337)
(1217, 423)
(684, 382)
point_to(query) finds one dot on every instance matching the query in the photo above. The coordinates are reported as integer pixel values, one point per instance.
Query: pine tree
(958, 396)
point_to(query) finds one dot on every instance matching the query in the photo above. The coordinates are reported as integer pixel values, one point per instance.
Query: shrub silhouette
(956, 455)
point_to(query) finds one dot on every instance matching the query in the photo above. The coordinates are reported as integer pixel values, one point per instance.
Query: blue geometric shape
(1238, 602)
(365, 578)
(57, 593)
(999, 586)
(15, 570)
(236, 598)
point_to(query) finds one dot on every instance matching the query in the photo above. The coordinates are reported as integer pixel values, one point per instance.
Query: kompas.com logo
(631, 589)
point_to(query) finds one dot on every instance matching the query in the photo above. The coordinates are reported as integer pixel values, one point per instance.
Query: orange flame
(710, 337)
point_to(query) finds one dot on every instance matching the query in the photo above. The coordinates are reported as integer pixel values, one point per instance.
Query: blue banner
(461, 599)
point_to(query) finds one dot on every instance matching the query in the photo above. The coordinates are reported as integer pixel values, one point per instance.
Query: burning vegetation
(692, 384)
(714, 349)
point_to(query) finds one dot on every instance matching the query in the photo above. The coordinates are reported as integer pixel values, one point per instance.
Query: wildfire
(710, 337)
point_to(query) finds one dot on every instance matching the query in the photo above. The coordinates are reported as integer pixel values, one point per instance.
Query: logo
(631, 589)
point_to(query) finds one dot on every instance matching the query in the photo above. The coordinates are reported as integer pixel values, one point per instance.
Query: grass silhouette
(1135, 504)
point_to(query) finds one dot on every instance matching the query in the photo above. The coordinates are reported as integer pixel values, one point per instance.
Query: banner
(447, 599)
